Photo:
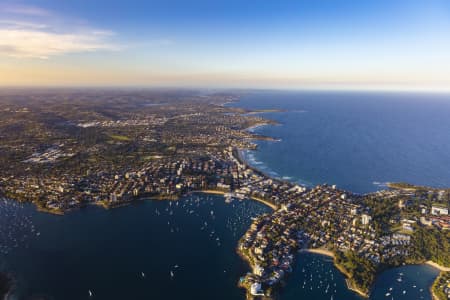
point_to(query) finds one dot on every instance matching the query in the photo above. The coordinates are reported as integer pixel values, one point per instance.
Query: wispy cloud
(41, 44)
(17, 24)
(27, 10)
(30, 33)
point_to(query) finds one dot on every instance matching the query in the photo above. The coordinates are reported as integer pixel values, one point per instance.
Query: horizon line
(426, 90)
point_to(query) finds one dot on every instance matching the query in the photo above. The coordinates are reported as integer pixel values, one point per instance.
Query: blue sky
(383, 44)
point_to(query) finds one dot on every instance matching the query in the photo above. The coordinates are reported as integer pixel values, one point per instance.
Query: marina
(192, 240)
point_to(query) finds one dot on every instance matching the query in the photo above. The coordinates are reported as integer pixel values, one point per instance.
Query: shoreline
(320, 251)
(252, 128)
(237, 154)
(255, 136)
(437, 266)
(328, 253)
(216, 192)
(241, 158)
(436, 286)
(325, 252)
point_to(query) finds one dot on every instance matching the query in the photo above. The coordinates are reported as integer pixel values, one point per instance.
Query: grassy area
(361, 272)
(121, 138)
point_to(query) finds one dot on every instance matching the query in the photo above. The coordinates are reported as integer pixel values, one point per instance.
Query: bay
(129, 252)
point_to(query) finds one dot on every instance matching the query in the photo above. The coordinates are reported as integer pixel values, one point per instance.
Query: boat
(90, 293)
(142, 274)
(229, 198)
(387, 294)
(171, 274)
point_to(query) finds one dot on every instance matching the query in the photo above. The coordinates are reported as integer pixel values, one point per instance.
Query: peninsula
(66, 149)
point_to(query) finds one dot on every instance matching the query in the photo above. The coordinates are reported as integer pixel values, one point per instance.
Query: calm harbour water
(358, 141)
(129, 252)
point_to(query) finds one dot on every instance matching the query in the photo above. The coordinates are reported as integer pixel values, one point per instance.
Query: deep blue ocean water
(358, 141)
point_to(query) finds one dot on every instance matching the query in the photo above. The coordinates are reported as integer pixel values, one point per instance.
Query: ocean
(358, 141)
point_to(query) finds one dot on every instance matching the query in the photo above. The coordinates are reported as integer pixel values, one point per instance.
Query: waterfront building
(439, 210)
(255, 289)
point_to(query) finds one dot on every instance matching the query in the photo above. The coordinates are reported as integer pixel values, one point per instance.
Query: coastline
(241, 159)
(216, 192)
(442, 270)
(319, 251)
(437, 286)
(251, 129)
(433, 294)
(350, 285)
(437, 266)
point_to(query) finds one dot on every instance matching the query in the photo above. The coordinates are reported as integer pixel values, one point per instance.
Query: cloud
(28, 43)
(32, 32)
(27, 10)
(17, 24)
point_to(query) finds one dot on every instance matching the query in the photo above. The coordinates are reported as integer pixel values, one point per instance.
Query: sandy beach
(320, 251)
(265, 202)
(439, 267)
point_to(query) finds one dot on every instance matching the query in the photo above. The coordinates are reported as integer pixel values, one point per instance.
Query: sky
(299, 44)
